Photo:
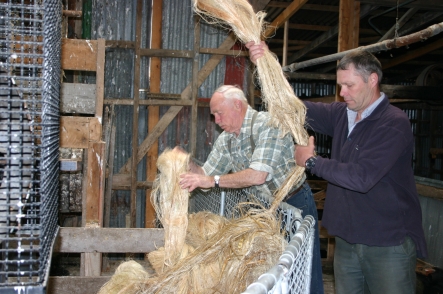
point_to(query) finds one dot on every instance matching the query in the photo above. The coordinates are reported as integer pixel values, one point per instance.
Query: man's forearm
(243, 179)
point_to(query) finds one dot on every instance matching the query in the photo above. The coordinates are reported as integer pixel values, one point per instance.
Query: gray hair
(365, 64)
(232, 92)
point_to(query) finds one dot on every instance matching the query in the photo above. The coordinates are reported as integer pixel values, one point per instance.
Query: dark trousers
(363, 269)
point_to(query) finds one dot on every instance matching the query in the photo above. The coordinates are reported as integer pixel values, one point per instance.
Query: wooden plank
(123, 182)
(413, 92)
(100, 79)
(92, 264)
(77, 131)
(77, 98)
(94, 185)
(79, 54)
(194, 88)
(108, 240)
(136, 113)
(414, 53)
(175, 102)
(429, 191)
(345, 32)
(356, 24)
(325, 37)
(284, 16)
(76, 284)
(154, 111)
(166, 53)
(423, 4)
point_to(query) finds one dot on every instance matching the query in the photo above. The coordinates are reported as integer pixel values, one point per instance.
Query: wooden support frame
(86, 132)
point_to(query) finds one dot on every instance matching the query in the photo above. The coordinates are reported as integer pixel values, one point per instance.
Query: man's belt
(295, 191)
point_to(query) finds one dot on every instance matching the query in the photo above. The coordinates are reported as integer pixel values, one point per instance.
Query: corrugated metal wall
(178, 34)
(115, 20)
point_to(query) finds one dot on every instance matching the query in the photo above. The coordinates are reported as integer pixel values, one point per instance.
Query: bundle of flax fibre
(234, 257)
(171, 203)
(286, 110)
(225, 256)
(129, 277)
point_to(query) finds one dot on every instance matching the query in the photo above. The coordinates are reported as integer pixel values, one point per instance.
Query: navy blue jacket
(371, 195)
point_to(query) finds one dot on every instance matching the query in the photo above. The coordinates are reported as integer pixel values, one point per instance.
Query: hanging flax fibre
(286, 110)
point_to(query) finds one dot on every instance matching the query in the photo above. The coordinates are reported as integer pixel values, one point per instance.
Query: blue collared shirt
(352, 115)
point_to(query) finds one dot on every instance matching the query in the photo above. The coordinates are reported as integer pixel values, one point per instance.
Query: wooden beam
(136, 112)
(123, 182)
(100, 79)
(308, 27)
(79, 54)
(414, 54)
(157, 102)
(284, 16)
(347, 30)
(93, 212)
(151, 52)
(77, 98)
(429, 191)
(77, 131)
(194, 88)
(422, 4)
(413, 92)
(356, 25)
(153, 111)
(108, 240)
(382, 46)
(404, 18)
(310, 76)
(315, 7)
(346, 25)
(76, 284)
(72, 13)
(325, 37)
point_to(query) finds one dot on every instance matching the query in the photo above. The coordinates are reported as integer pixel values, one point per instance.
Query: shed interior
(137, 78)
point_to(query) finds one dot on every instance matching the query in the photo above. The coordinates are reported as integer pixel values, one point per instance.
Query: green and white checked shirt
(273, 153)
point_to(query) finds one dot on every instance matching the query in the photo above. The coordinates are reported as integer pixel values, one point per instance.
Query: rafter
(284, 16)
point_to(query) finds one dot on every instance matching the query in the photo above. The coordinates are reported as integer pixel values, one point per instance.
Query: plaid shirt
(273, 153)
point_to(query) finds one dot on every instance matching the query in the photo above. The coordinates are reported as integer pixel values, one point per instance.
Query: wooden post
(100, 79)
(285, 44)
(194, 87)
(93, 203)
(153, 111)
(348, 29)
(134, 161)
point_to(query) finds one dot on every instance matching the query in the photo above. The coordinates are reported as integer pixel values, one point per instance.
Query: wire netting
(292, 274)
(30, 36)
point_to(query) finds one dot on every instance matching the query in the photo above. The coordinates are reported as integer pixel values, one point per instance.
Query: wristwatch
(310, 162)
(217, 181)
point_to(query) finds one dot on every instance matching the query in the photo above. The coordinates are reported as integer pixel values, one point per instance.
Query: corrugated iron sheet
(116, 20)
(178, 34)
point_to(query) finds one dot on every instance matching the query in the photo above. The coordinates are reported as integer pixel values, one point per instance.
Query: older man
(250, 153)
(372, 205)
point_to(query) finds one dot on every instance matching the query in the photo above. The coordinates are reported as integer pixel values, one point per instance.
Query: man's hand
(191, 181)
(302, 153)
(256, 50)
